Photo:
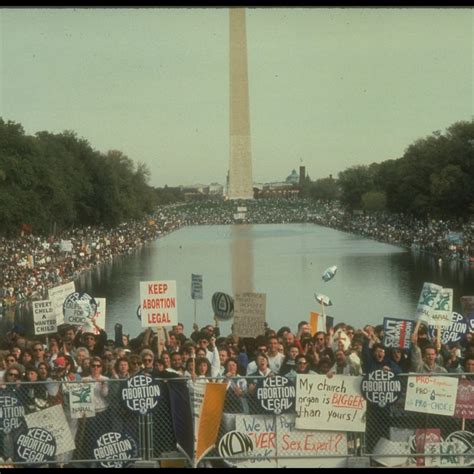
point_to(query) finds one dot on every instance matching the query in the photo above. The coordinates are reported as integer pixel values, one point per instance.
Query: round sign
(139, 312)
(381, 387)
(234, 443)
(35, 446)
(223, 306)
(452, 333)
(120, 448)
(12, 412)
(276, 394)
(85, 304)
(141, 394)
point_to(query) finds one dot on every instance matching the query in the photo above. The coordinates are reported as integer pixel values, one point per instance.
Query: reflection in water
(242, 258)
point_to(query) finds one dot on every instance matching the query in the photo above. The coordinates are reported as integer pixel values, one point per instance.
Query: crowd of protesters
(31, 264)
(205, 355)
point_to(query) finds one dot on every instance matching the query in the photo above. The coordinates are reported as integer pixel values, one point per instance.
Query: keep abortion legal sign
(158, 303)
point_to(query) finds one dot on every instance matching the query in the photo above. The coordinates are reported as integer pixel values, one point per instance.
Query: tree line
(434, 177)
(55, 181)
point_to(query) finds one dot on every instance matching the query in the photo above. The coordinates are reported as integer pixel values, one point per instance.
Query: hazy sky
(331, 87)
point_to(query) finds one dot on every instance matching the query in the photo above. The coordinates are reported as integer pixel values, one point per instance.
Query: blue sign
(276, 394)
(452, 333)
(381, 387)
(12, 412)
(115, 450)
(141, 393)
(35, 446)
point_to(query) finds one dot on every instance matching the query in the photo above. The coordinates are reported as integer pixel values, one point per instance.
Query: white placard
(57, 295)
(428, 394)
(53, 420)
(81, 400)
(43, 317)
(99, 317)
(333, 404)
(159, 304)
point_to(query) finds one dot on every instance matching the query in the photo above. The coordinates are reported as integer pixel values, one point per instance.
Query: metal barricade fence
(106, 424)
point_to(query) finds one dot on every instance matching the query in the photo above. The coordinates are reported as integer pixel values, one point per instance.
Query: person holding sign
(263, 370)
(423, 361)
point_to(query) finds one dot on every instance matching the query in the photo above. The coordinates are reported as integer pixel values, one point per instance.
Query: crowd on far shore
(30, 264)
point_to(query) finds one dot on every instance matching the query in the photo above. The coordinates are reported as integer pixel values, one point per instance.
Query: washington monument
(240, 159)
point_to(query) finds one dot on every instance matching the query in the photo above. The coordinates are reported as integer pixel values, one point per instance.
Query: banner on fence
(81, 400)
(465, 400)
(44, 319)
(312, 445)
(397, 332)
(53, 420)
(209, 418)
(428, 394)
(159, 305)
(262, 431)
(333, 404)
(11, 411)
(249, 314)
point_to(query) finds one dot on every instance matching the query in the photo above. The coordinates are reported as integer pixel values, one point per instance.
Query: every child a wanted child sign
(158, 303)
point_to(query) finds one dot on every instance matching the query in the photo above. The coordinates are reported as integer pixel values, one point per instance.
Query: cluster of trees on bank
(54, 181)
(435, 177)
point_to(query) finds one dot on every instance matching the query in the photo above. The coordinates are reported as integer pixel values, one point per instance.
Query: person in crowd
(39, 354)
(289, 362)
(376, 359)
(34, 396)
(275, 358)
(224, 355)
(207, 342)
(235, 399)
(94, 425)
(135, 364)
(320, 345)
(147, 357)
(399, 357)
(26, 357)
(263, 370)
(67, 333)
(343, 365)
(261, 348)
(177, 363)
(166, 360)
(81, 354)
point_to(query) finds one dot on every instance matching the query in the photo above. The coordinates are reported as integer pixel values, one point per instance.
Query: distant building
(293, 178)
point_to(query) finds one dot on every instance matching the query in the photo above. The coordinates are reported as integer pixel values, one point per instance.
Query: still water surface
(286, 262)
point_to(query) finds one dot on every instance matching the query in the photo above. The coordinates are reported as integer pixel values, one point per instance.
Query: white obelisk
(240, 161)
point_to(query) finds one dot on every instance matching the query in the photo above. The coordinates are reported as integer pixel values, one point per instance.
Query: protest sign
(276, 394)
(384, 448)
(57, 295)
(235, 444)
(465, 400)
(381, 387)
(54, 421)
(12, 412)
(65, 246)
(249, 314)
(423, 436)
(452, 333)
(441, 315)
(141, 393)
(78, 307)
(159, 305)
(333, 404)
(81, 400)
(44, 319)
(209, 418)
(293, 445)
(444, 454)
(428, 394)
(397, 332)
(120, 448)
(222, 306)
(196, 287)
(426, 302)
(35, 445)
(99, 317)
(262, 431)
